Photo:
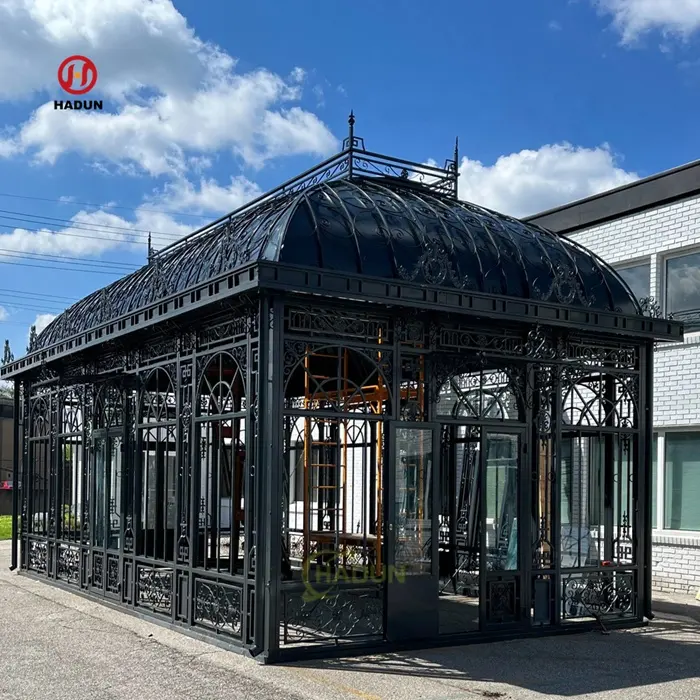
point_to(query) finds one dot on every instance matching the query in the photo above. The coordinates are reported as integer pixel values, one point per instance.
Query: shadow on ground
(667, 650)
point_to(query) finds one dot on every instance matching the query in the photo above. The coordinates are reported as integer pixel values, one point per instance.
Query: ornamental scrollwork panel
(113, 581)
(219, 606)
(154, 588)
(597, 399)
(436, 266)
(338, 324)
(598, 594)
(337, 378)
(68, 563)
(565, 286)
(464, 388)
(342, 614)
(38, 556)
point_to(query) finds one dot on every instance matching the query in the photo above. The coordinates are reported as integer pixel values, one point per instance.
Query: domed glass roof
(374, 226)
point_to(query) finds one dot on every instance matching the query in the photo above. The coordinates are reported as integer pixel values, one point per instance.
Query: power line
(71, 222)
(98, 206)
(64, 269)
(125, 267)
(14, 323)
(127, 237)
(23, 293)
(30, 307)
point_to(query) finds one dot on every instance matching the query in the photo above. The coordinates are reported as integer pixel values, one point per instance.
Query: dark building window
(638, 278)
(683, 283)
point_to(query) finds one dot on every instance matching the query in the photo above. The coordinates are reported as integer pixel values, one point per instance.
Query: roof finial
(351, 130)
(351, 141)
(456, 166)
(150, 249)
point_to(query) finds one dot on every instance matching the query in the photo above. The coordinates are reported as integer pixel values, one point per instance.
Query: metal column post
(269, 465)
(15, 475)
(644, 465)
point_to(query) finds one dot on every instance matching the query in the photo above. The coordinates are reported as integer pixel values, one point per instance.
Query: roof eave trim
(231, 283)
(293, 278)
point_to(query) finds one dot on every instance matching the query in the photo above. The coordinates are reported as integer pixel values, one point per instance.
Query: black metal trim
(649, 193)
(15, 473)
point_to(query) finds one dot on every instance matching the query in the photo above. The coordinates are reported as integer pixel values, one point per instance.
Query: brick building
(650, 231)
(6, 437)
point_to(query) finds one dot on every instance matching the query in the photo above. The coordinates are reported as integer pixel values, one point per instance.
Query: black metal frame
(225, 371)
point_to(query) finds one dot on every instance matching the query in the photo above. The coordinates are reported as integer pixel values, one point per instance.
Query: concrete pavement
(54, 644)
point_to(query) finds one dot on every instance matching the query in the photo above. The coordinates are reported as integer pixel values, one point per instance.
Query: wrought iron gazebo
(357, 413)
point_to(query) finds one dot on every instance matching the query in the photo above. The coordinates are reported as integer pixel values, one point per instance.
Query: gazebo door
(503, 527)
(412, 532)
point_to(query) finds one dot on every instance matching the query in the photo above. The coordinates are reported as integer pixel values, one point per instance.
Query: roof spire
(351, 141)
(150, 248)
(456, 168)
(351, 129)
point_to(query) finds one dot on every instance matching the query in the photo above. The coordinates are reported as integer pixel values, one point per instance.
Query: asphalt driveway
(54, 644)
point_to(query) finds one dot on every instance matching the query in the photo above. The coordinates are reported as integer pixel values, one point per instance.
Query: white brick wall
(677, 385)
(671, 229)
(676, 564)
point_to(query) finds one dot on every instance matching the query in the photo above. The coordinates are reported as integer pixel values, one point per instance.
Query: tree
(32, 339)
(7, 355)
(6, 388)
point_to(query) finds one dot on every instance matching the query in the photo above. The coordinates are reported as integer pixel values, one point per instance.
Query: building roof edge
(649, 192)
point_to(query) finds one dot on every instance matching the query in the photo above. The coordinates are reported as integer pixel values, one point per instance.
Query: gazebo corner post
(645, 485)
(15, 473)
(269, 474)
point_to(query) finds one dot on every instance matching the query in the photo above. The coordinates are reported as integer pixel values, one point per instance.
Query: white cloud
(94, 233)
(169, 95)
(209, 197)
(4, 315)
(320, 95)
(554, 26)
(529, 182)
(41, 321)
(632, 18)
(298, 75)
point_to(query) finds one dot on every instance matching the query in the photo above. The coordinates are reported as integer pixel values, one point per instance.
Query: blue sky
(208, 104)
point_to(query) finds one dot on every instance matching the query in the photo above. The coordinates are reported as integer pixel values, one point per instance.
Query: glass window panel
(581, 499)
(115, 492)
(683, 283)
(502, 452)
(638, 277)
(413, 500)
(100, 466)
(682, 486)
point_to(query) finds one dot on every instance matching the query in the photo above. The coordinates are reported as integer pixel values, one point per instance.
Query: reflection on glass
(502, 452)
(682, 487)
(115, 493)
(413, 507)
(582, 499)
(99, 494)
(683, 283)
(638, 277)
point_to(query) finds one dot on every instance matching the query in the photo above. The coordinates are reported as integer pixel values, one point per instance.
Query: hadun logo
(77, 75)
